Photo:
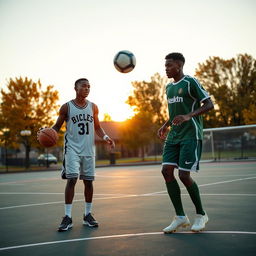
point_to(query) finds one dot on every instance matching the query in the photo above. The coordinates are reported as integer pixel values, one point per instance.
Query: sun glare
(118, 114)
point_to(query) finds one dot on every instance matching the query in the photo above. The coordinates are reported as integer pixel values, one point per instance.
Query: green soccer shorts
(185, 155)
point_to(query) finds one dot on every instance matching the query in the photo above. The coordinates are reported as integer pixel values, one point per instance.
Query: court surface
(132, 207)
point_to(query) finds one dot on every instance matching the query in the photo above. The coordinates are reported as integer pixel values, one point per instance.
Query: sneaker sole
(199, 230)
(65, 229)
(86, 223)
(174, 230)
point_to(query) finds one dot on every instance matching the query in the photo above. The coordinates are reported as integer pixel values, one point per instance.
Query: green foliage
(232, 84)
(149, 97)
(26, 106)
(149, 103)
(107, 118)
(137, 131)
(250, 114)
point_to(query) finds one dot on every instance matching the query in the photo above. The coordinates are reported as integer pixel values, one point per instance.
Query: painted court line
(62, 202)
(112, 196)
(29, 205)
(116, 197)
(227, 181)
(21, 182)
(121, 236)
(127, 196)
(204, 185)
(28, 181)
(52, 193)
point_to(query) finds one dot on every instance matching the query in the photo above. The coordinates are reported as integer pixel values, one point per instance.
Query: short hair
(175, 56)
(80, 80)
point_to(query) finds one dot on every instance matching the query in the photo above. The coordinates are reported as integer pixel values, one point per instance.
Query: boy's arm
(63, 113)
(162, 131)
(207, 105)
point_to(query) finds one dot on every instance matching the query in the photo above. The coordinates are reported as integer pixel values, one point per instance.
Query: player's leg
(70, 173)
(170, 160)
(190, 154)
(87, 174)
(70, 192)
(192, 189)
(88, 194)
(173, 189)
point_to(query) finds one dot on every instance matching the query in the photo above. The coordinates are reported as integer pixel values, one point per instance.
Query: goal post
(229, 143)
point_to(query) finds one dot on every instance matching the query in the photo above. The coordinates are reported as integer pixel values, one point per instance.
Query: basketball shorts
(185, 155)
(75, 166)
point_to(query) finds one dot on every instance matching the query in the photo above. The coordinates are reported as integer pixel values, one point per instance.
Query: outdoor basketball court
(132, 207)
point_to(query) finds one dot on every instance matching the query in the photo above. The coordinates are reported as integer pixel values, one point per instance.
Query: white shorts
(75, 166)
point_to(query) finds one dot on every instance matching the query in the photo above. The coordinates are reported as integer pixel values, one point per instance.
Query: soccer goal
(230, 143)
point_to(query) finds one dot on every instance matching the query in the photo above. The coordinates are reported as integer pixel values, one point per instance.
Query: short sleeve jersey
(79, 136)
(184, 97)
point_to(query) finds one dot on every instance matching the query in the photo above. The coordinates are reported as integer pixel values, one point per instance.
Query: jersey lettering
(82, 117)
(175, 99)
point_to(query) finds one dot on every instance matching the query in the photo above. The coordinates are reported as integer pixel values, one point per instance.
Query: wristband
(105, 137)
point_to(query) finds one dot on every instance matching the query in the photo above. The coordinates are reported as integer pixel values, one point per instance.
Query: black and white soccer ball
(124, 61)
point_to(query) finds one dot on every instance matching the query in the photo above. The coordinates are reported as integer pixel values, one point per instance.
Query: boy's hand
(178, 120)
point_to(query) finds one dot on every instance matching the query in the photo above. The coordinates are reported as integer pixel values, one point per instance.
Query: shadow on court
(132, 207)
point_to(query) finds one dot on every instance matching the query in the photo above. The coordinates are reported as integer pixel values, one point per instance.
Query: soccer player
(187, 101)
(81, 117)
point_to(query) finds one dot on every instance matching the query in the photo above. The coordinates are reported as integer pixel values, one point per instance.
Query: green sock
(174, 194)
(193, 191)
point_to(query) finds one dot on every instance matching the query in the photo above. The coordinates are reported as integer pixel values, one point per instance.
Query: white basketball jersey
(79, 136)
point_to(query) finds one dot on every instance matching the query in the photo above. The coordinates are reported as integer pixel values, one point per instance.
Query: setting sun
(118, 113)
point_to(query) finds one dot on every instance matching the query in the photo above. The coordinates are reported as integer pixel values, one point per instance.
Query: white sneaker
(199, 223)
(177, 223)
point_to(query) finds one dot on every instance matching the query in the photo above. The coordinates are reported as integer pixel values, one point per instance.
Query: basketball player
(187, 101)
(81, 117)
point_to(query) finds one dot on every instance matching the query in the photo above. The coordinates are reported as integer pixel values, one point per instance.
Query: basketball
(124, 61)
(47, 137)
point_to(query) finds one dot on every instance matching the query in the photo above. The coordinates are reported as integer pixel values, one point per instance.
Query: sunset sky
(59, 41)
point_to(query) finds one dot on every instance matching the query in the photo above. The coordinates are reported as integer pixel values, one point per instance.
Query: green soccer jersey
(184, 97)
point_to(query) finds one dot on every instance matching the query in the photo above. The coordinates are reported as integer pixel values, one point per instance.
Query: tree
(250, 114)
(149, 97)
(137, 132)
(150, 106)
(107, 118)
(26, 106)
(232, 84)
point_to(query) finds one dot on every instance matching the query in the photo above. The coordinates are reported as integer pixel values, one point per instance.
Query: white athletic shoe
(199, 223)
(177, 223)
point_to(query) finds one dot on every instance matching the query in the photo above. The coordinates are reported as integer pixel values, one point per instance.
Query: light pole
(47, 158)
(25, 134)
(4, 133)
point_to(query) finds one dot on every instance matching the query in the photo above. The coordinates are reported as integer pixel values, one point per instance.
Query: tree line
(230, 82)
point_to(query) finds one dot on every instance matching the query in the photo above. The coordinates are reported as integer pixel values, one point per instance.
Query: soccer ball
(124, 61)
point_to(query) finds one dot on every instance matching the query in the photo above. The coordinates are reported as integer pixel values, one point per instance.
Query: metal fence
(231, 143)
